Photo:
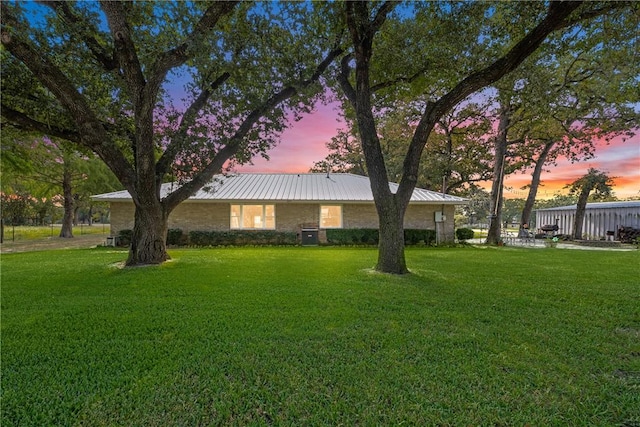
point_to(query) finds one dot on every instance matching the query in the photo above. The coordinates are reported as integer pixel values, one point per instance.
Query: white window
(331, 216)
(252, 217)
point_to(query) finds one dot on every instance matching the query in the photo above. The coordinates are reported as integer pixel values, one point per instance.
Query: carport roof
(291, 187)
(597, 205)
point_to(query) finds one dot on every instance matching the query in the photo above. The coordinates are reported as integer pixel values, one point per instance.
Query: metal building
(599, 218)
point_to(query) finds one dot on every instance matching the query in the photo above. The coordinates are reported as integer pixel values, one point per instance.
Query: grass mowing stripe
(311, 336)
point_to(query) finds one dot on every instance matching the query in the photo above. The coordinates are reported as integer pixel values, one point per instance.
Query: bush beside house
(463, 234)
(337, 237)
(242, 238)
(370, 236)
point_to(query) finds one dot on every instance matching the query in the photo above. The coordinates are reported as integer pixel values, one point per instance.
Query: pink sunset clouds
(304, 143)
(619, 159)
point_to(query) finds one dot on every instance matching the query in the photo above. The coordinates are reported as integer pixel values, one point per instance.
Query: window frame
(240, 218)
(341, 217)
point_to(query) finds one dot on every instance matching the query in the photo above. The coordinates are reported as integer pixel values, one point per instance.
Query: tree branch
(554, 20)
(188, 119)
(343, 79)
(125, 50)
(593, 13)
(24, 122)
(84, 30)
(91, 131)
(397, 80)
(381, 15)
(181, 53)
(235, 142)
(558, 12)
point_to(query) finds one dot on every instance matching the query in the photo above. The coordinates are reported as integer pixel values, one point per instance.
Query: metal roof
(598, 205)
(317, 187)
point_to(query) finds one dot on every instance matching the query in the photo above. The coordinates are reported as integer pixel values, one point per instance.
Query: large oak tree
(457, 49)
(112, 73)
(573, 94)
(594, 181)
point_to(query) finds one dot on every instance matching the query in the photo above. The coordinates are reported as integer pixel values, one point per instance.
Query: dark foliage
(242, 238)
(176, 237)
(464, 234)
(124, 237)
(370, 236)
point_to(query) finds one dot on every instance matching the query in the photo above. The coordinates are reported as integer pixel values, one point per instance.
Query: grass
(311, 336)
(28, 232)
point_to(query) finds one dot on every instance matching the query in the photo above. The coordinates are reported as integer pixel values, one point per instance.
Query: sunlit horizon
(304, 143)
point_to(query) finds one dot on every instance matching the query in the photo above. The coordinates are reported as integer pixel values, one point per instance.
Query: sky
(303, 143)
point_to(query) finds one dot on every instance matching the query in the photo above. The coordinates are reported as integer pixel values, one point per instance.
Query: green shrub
(415, 237)
(430, 237)
(176, 237)
(464, 234)
(124, 237)
(352, 236)
(242, 238)
(371, 236)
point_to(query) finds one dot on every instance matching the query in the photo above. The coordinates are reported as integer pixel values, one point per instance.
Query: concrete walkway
(540, 244)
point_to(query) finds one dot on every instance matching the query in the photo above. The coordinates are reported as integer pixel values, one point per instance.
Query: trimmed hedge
(464, 234)
(335, 236)
(242, 238)
(124, 237)
(176, 237)
(414, 237)
(352, 236)
(371, 236)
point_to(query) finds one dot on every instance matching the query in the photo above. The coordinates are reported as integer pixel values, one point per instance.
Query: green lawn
(310, 336)
(28, 232)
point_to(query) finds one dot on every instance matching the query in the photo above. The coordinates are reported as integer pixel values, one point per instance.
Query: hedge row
(370, 236)
(464, 234)
(242, 238)
(354, 236)
(176, 237)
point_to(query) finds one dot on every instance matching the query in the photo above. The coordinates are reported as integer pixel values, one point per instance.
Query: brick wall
(121, 217)
(192, 216)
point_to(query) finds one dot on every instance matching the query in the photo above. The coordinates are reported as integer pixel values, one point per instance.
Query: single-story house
(601, 220)
(290, 202)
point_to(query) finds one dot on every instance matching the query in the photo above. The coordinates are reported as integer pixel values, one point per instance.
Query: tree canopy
(594, 181)
(437, 59)
(162, 90)
(182, 90)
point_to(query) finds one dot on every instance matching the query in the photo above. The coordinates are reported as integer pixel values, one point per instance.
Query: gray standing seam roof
(334, 187)
(597, 205)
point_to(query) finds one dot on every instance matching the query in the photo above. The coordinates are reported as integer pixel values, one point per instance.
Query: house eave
(291, 188)
(245, 201)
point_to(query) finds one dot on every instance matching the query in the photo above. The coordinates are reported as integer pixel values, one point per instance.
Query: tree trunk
(525, 219)
(67, 220)
(148, 242)
(581, 207)
(494, 233)
(391, 257)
